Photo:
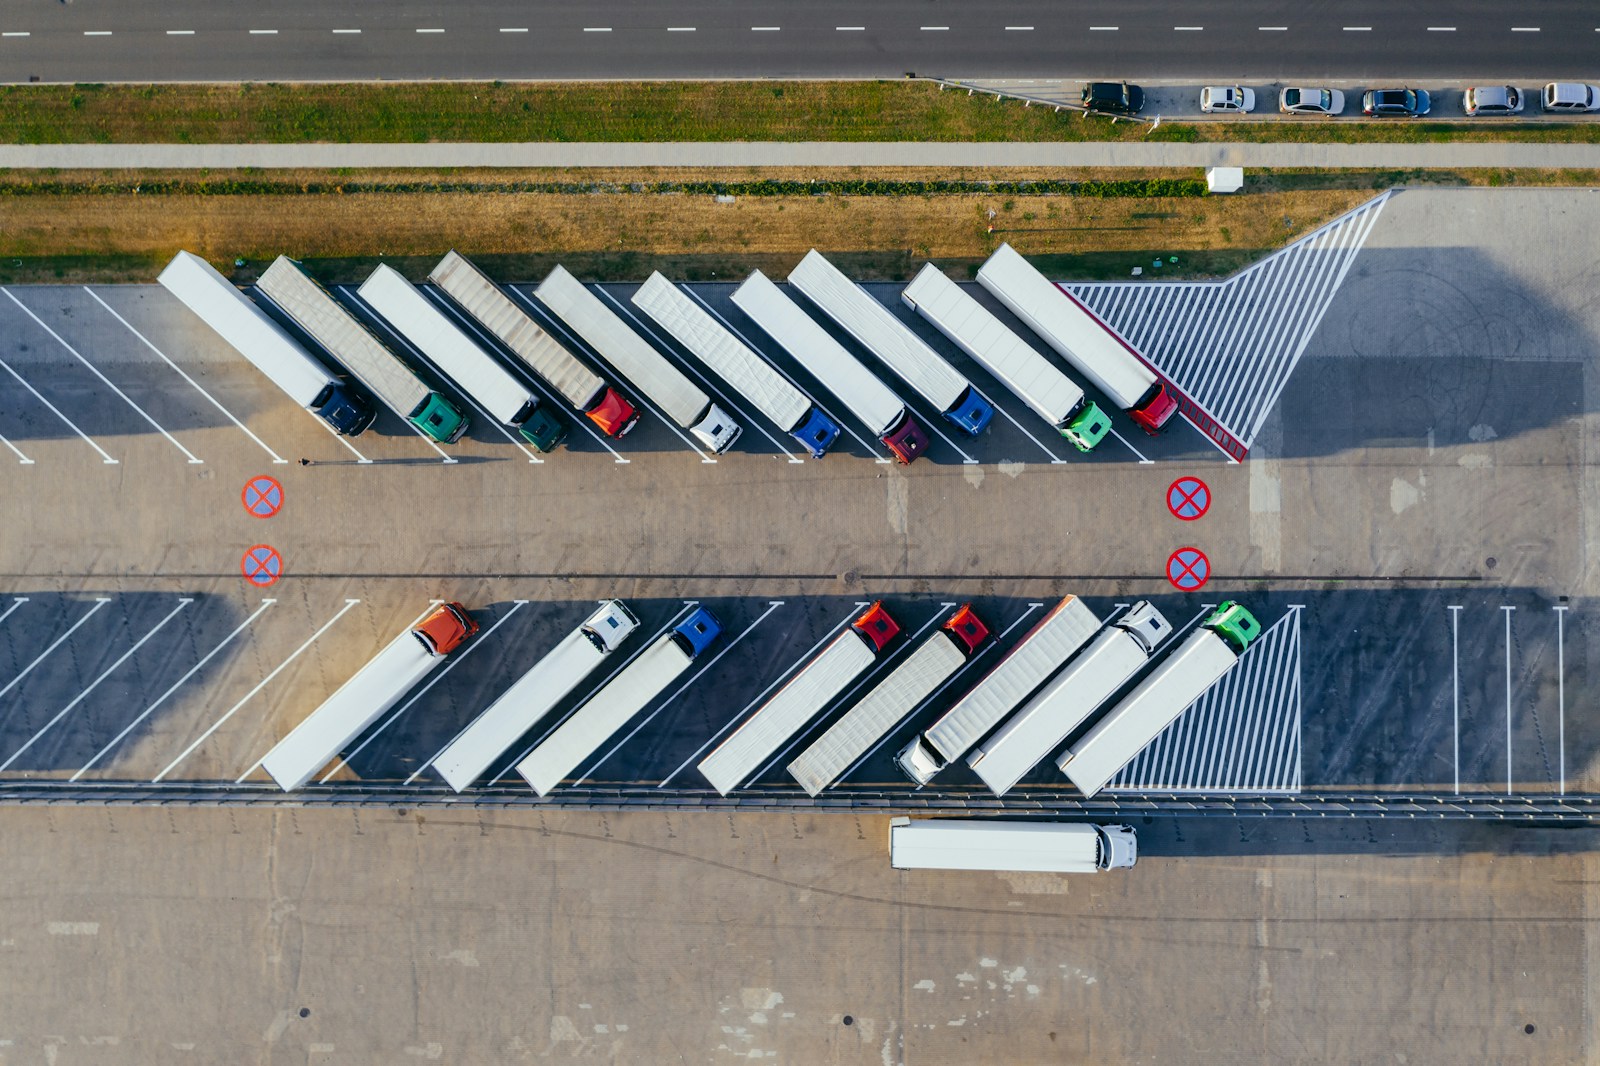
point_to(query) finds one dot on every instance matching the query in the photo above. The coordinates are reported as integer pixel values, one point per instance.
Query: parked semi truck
(254, 335)
(624, 696)
(1175, 683)
(1079, 337)
(730, 358)
(363, 699)
(875, 328)
(1069, 699)
(534, 695)
(541, 353)
(342, 336)
(420, 321)
(806, 695)
(1034, 380)
(841, 373)
(1066, 628)
(683, 401)
(914, 680)
(1009, 847)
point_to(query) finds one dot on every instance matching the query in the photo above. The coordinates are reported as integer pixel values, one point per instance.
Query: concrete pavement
(799, 153)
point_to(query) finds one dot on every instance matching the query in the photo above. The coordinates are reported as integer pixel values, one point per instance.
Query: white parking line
(16, 33)
(16, 601)
(1524, 29)
(597, 29)
(772, 605)
(1445, 29)
(513, 29)
(764, 29)
(505, 431)
(99, 602)
(97, 33)
(790, 669)
(1143, 461)
(175, 686)
(1104, 29)
(180, 33)
(1455, 686)
(805, 732)
(680, 29)
(431, 30)
(142, 413)
(251, 695)
(263, 33)
(1507, 611)
(843, 425)
(1358, 29)
(511, 766)
(1054, 458)
(62, 713)
(276, 458)
(688, 364)
(1273, 29)
(935, 29)
(850, 29)
(22, 460)
(343, 761)
(1019, 29)
(57, 412)
(1188, 29)
(1561, 691)
(355, 298)
(358, 31)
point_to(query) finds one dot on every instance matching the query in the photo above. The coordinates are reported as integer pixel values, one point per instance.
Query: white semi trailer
(1009, 847)
(1175, 683)
(1079, 337)
(1069, 699)
(683, 401)
(875, 328)
(731, 359)
(362, 700)
(541, 353)
(420, 321)
(806, 695)
(534, 695)
(1030, 376)
(1066, 628)
(624, 696)
(914, 680)
(254, 335)
(841, 373)
(342, 336)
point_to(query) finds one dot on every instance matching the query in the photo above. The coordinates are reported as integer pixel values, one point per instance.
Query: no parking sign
(1188, 569)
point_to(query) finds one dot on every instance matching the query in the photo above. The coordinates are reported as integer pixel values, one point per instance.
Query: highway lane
(200, 40)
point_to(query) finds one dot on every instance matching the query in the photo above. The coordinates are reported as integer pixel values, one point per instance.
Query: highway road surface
(199, 40)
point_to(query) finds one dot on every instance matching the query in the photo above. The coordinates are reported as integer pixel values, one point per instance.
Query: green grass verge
(676, 111)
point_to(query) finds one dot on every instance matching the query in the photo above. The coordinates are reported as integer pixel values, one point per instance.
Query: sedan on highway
(1571, 96)
(1396, 103)
(1298, 101)
(1112, 98)
(1492, 100)
(1225, 99)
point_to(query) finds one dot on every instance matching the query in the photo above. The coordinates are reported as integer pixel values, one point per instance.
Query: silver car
(1225, 99)
(1299, 101)
(1571, 96)
(1492, 100)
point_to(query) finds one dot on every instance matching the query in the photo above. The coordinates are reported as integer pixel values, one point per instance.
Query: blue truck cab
(345, 409)
(972, 413)
(697, 632)
(817, 433)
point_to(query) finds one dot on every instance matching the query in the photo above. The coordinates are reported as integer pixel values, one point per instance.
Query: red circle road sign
(1188, 569)
(262, 496)
(1188, 498)
(261, 565)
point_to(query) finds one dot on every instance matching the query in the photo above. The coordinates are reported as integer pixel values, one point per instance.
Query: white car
(1492, 100)
(1571, 96)
(1227, 98)
(1298, 101)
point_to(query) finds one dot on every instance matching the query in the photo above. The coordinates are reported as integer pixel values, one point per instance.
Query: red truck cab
(876, 626)
(443, 631)
(1155, 409)
(966, 628)
(614, 415)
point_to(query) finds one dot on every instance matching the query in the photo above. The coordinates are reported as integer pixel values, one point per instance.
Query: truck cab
(1235, 625)
(1145, 624)
(876, 626)
(1119, 848)
(716, 430)
(443, 631)
(614, 415)
(439, 419)
(972, 413)
(968, 630)
(1086, 427)
(817, 433)
(345, 409)
(918, 761)
(539, 426)
(906, 441)
(698, 631)
(1155, 409)
(610, 625)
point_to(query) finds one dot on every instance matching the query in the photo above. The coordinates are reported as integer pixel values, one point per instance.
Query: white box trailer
(495, 388)
(534, 695)
(1175, 683)
(875, 328)
(1009, 847)
(731, 359)
(1068, 700)
(254, 335)
(488, 304)
(367, 696)
(806, 695)
(683, 401)
(624, 696)
(1031, 377)
(343, 336)
(1078, 336)
(841, 373)
(1063, 630)
(880, 710)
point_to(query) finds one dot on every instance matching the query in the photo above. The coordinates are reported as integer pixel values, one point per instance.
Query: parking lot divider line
(99, 602)
(22, 460)
(105, 458)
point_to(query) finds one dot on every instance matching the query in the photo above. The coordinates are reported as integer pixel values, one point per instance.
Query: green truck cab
(1087, 427)
(543, 429)
(1234, 624)
(439, 419)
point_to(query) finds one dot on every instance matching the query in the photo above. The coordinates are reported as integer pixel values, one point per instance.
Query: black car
(1406, 103)
(1112, 98)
